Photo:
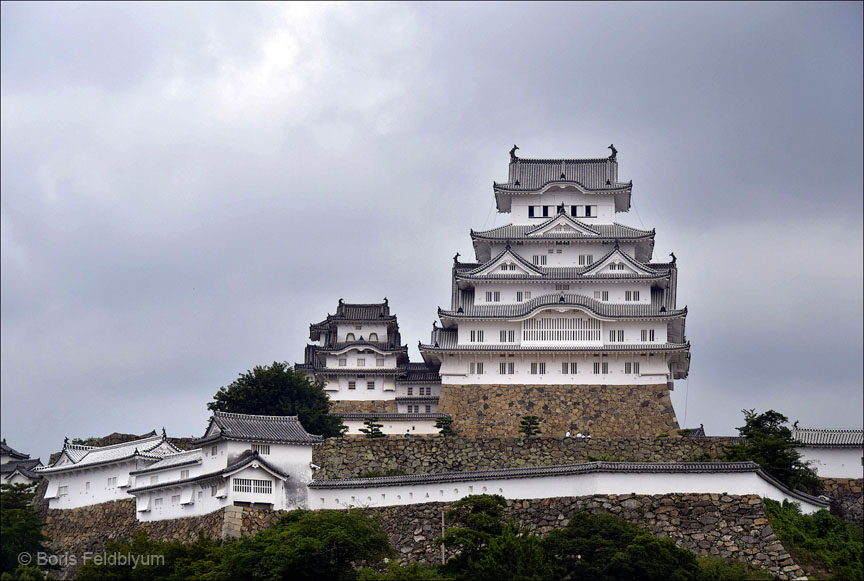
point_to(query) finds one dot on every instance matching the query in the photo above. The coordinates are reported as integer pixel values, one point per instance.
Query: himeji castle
(563, 313)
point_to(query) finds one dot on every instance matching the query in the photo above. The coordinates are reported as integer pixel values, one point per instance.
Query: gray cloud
(187, 187)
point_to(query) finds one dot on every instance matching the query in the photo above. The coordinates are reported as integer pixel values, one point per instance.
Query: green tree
(20, 531)
(607, 547)
(530, 426)
(279, 390)
(373, 428)
(768, 442)
(444, 425)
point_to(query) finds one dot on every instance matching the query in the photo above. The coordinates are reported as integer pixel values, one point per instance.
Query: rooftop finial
(385, 300)
(561, 208)
(614, 155)
(164, 435)
(513, 153)
(507, 246)
(674, 260)
(65, 440)
(456, 258)
(434, 325)
(341, 301)
(616, 245)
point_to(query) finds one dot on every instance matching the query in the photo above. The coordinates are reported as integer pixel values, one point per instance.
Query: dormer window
(350, 337)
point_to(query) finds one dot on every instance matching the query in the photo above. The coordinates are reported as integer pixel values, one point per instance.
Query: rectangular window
(546, 211)
(636, 367)
(551, 251)
(488, 296)
(508, 336)
(86, 487)
(214, 450)
(379, 362)
(428, 409)
(506, 368)
(112, 482)
(560, 287)
(260, 448)
(370, 385)
(479, 372)
(361, 362)
(175, 499)
(63, 491)
(538, 368)
(590, 211)
(476, 335)
(616, 335)
(527, 295)
(647, 335)
(596, 368)
(511, 368)
(184, 474)
(574, 211)
(530, 211)
(631, 295)
(343, 362)
(213, 491)
(352, 385)
(568, 368)
(158, 501)
(253, 486)
(358, 327)
(586, 259)
(604, 368)
(496, 297)
(410, 391)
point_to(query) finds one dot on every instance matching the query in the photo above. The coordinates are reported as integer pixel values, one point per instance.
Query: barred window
(253, 486)
(561, 329)
(647, 335)
(261, 448)
(476, 335)
(370, 385)
(586, 259)
(538, 368)
(616, 335)
(352, 385)
(631, 295)
(568, 368)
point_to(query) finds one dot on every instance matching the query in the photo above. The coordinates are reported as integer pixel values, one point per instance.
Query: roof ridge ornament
(674, 260)
(507, 245)
(513, 153)
(456, 258)
(614, 156)
(561, 206)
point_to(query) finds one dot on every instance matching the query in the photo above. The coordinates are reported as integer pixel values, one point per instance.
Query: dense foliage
(444, 425)
(372, 429)
(278, 390)
(823, 544)
(530, 426)
(768, 442)
(302, 546)
(20, 533)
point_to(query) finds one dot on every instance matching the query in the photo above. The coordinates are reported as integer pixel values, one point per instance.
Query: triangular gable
(562, 224)
(212, 430)
(617, 257)
(254, 463)
(516, 266)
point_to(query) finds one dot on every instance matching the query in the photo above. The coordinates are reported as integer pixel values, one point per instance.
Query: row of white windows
(351, 337)
(361, 362)
(560, 329)
(589, 211)
(415, 409)
(539, 368)
(495, 296)
(420, 390)
(353, 385)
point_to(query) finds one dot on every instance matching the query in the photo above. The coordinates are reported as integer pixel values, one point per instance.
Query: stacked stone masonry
(608, 411)
(362, 406)
(352, 458)
(710, 524)
(847, 499)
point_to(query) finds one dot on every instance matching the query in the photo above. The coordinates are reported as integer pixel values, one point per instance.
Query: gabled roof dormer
(624, 264)
(562, 224)
(514, 263)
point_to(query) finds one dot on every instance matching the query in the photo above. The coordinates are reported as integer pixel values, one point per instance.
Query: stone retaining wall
(373, 406)
(350, 458)
(847, 498)
(710, 524)
(607, 411)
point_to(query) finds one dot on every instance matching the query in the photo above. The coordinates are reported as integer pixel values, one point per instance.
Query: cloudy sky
(186, 187)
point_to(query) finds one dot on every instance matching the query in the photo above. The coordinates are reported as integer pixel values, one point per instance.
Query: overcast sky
(186, 187)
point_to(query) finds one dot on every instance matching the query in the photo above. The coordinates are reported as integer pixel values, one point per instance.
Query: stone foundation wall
(709, 524)
(603, 410)
(350, 457)
(847, 500)
(386, 406)
(87, 529)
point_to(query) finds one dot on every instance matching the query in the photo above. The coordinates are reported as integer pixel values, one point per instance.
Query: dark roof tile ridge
(254, 416)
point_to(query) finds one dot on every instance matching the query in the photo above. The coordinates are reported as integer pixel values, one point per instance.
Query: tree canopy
(20, 532)
(279, 390)
(768, 442)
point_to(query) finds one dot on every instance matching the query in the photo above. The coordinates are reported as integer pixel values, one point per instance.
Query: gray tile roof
(827, 438)
(567, 470)
(532, 174)
(380, 345)
(605, 232)
(246, 427)
(26, 464)
(150, 448)
(618, 311)
(419, 373)
(447, 340)
(247, 457)
(417, 399)
(373, 312)
(9, 451)
(173, 461)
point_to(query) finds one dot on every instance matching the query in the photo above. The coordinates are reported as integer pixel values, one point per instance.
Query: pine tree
(444, 424)
(373, 428)
(530, 426)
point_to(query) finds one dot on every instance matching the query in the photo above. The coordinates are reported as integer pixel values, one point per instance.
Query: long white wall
(835, 462)
(395, 426)
(616, 291)
(492, 331)
(741, 483)
(86, 486)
